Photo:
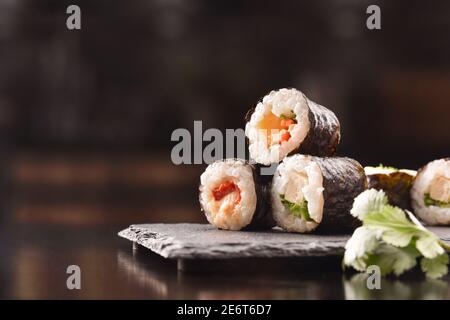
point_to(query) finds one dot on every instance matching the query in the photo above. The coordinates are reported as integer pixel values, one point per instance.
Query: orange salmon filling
(277, 128)
(226, 188)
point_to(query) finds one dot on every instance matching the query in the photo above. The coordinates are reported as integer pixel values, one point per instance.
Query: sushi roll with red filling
(233, 197)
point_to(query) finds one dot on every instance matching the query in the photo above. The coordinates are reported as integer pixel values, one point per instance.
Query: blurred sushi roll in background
(430, 193)
(396, 183)
(310, 193)
(287, 122)
(233, 197)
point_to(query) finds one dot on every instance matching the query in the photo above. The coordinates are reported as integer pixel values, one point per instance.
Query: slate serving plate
(188, 242)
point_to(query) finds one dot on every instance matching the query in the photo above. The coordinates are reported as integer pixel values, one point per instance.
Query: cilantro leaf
(391, 259)
(359, 246)
(397, 229)
(368, 201)
(398, 239)
(429, 246)
(393, 239)
(436, 267)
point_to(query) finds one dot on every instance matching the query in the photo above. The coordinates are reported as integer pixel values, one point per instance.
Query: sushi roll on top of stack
(431, 193)
(287, 122)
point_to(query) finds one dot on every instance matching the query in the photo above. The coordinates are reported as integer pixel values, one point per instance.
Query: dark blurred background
(86, 116)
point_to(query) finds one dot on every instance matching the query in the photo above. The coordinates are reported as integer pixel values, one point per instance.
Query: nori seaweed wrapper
(262, 217)
(265, 173)
(396, 184)
(324, 133)
(343, 180)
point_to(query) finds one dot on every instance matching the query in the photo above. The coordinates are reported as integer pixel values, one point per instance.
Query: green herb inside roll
(396, 183)
(287, 122)
(430, 193)
(233, 197)
(310, 193)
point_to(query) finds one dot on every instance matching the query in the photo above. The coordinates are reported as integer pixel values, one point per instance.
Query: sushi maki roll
(396, 183)
(233, 197)
(287, 122)
(430, 193)
(310, 193)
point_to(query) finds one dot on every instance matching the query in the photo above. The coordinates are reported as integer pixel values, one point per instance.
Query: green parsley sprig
(393, 239)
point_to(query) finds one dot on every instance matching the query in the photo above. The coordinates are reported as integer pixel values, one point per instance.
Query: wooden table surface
(34, 259)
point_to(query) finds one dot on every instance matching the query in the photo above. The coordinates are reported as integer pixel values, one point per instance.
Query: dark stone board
(204, 241)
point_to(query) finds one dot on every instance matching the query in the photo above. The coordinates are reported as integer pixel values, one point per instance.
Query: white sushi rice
(435, 171)
(226, 213)
(283, 101)
(298, 177)
(382, 170)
